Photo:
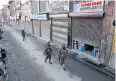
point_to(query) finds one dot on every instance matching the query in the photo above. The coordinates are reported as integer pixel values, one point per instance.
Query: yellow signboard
(113, 43)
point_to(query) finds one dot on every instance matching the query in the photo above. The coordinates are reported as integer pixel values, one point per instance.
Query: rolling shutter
(87, 31)
(60, 30)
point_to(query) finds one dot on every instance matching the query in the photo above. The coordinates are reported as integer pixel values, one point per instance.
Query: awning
(59, 15)
(86, 15)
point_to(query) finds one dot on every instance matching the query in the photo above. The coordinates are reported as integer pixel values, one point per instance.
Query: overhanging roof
(87, 14)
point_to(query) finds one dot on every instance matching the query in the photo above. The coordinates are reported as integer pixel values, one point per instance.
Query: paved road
(22, 68)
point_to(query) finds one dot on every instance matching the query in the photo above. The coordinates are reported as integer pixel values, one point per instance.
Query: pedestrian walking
(1, 33)
(3, 55)
(23, 35)
(62, 55)
(48, 52)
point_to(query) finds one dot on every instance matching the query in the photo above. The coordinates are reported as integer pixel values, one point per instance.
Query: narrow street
(25, 64)
(20, 66)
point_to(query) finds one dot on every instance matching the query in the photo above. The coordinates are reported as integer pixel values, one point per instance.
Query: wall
(12, 8)
(26, 11)
(25, 18)
(104, 56)
(43, 6)
(58, 7)
(34, 6)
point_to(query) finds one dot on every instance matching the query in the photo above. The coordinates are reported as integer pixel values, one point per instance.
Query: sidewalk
(77, 69)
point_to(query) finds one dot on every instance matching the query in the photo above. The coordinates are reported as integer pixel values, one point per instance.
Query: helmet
(48, 43)
(63, 46)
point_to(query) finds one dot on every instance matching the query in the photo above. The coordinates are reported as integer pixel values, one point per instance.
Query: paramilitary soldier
(48, 52)
(62, 55)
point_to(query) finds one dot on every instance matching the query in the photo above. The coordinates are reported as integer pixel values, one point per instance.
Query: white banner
(94, 6)
(58, 6)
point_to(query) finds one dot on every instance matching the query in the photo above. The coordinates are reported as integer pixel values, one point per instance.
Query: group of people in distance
(62, 54)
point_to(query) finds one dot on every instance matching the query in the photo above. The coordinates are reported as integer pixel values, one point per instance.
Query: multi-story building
(5, 14)
(26, 17)
(1, 18)
(34, 18)
(12, 8)
(83, 26)
(41, 23)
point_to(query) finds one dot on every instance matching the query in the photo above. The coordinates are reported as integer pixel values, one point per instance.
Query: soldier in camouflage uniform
(48, 52)
(62, 55)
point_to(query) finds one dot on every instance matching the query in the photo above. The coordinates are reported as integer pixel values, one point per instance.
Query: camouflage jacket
(48, 50)
(63, 53)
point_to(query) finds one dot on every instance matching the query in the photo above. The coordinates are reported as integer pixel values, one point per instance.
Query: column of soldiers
(62, 54)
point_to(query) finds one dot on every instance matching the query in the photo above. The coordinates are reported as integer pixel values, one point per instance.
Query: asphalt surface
(22, 68)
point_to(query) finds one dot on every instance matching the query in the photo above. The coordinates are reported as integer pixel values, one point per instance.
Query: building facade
(40, 19)
(58, 11)
(84, 27)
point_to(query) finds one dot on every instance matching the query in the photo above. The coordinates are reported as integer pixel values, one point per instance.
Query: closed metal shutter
(45, 29)
(60, 30)
(29, 26)
(87, 31)
(36, 26)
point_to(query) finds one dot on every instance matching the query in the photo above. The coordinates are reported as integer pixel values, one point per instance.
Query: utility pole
(20, 16)
(32, 14)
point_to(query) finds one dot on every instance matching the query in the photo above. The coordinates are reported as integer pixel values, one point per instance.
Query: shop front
(60, 21)
(60, 25)
(87, 24)
(45, 25)
(35, 25)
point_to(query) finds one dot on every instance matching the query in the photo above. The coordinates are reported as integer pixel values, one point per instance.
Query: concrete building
(1, 18)
(26, 17)
(12, 11)
(41, 22)
(5, 14)
(34, 18)
(92, 30)
(85, 30)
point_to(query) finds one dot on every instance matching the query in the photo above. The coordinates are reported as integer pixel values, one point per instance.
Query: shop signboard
(58, 6)
(34, 16)
(113, 42)
(43, 16)
(95, 6)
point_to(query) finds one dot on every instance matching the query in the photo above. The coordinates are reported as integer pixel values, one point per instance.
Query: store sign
(58, 6)
(34, 16)
(94, 6)
(43, 17)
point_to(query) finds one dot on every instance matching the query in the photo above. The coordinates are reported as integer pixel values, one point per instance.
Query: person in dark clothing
(1, 33)
(23, 35)
(62, 55)
(3, 55)
(48, 52)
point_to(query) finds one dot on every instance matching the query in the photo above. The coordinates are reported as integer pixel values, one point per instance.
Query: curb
(96, 67)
